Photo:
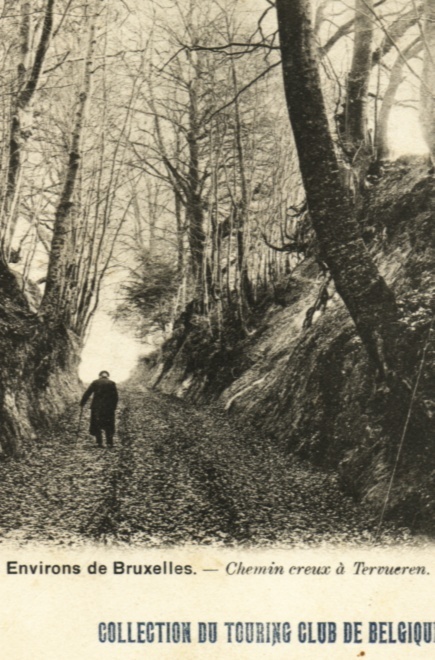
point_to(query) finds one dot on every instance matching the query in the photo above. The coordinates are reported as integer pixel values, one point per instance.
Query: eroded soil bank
(38, 370)
(310, 386)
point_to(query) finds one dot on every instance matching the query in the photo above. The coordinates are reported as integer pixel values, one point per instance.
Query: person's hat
(104, 373)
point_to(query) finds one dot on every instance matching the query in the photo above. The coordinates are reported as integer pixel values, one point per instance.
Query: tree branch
(27, 93)
(396, 31)
(242, 90)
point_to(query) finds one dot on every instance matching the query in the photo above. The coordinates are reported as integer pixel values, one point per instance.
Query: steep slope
(38, 370)
(313, 388)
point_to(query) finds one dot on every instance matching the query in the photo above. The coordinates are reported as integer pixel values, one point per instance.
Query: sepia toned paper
(48, 617)
(94, 602)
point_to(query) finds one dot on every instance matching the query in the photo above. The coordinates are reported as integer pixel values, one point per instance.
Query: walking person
(104, 401)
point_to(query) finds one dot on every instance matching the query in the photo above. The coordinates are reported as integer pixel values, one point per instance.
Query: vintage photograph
(217, 273)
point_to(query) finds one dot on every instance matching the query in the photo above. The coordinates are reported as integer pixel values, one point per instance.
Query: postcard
(217, 329)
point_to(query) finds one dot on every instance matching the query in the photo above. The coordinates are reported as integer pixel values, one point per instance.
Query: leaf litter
(178, 475)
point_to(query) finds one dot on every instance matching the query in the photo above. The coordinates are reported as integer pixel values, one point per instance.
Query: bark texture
(364, 292)
(55, 303)
(194, 208)
(359, 77)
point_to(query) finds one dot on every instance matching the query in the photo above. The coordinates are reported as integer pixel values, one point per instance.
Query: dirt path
(177, 475)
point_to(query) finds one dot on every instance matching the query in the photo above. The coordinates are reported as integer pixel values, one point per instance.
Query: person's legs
(109, 437)
(99, 438)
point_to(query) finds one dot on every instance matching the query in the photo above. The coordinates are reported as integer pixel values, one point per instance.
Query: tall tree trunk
(27, 84)
(195, 213)
(180, 236)
(427, 107)
(359, 77)
(364, 292)
(54, 305)
(241, 213)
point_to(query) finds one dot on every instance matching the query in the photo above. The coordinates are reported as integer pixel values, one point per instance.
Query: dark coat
(103, 406)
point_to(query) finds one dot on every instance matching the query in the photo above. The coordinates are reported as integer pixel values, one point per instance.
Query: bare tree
(72, 196)
(27, 79)
(365, 293)
(359, 78)
(53, 306)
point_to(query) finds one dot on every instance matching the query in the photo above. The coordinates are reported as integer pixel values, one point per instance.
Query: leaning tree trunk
(364, 292)
(427, 101)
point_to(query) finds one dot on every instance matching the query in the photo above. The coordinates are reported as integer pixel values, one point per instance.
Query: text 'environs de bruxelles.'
(165, 568)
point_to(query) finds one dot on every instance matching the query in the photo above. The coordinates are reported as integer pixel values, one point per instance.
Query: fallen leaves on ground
(177, 475)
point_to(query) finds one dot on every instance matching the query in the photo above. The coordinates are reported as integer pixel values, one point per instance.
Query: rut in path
(177, 475)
